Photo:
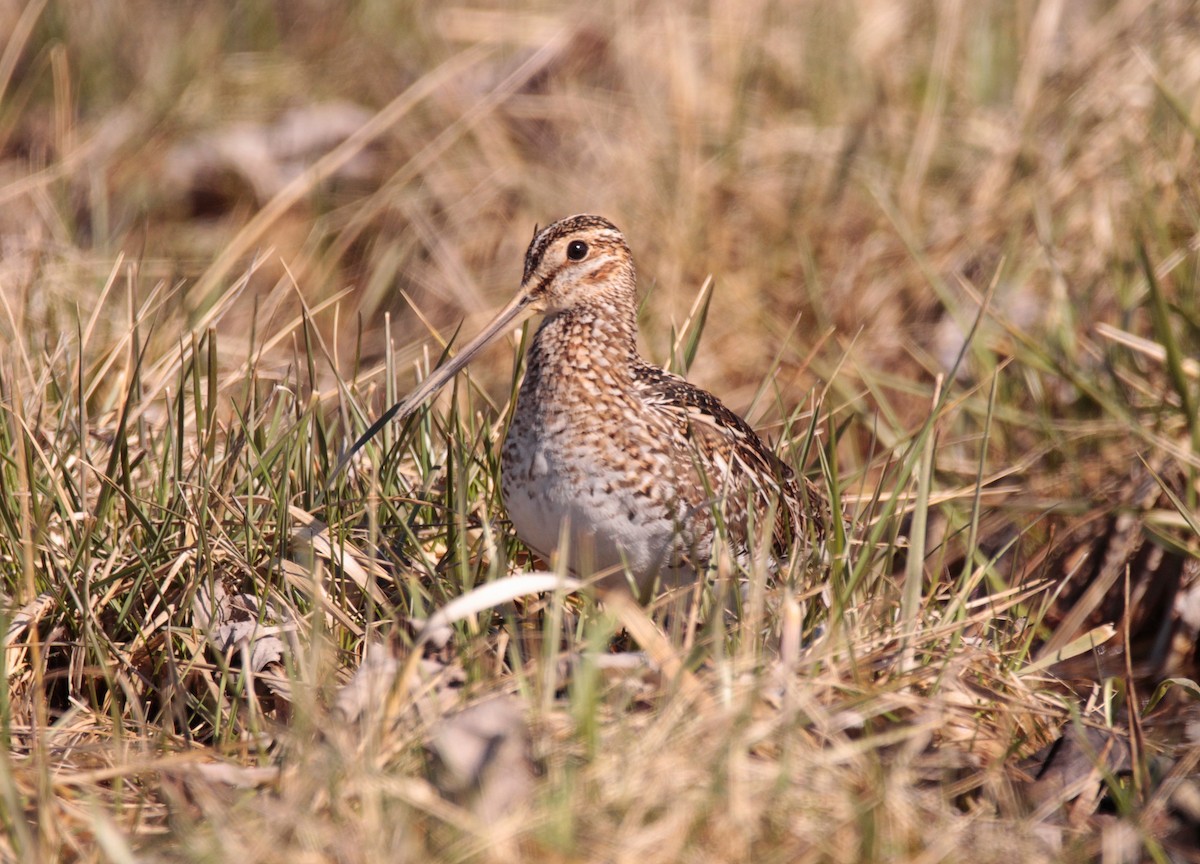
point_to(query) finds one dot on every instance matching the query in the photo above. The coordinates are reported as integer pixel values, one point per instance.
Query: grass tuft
(944, 258)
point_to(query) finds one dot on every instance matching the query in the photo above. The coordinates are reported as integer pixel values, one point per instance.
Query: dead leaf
(483, 755)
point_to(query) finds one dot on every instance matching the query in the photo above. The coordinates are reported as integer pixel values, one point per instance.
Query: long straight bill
(438, 377)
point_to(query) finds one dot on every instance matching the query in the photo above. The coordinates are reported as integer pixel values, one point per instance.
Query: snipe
(626, 464)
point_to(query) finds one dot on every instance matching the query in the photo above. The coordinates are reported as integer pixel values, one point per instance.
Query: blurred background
(853, 175)
(216, 213)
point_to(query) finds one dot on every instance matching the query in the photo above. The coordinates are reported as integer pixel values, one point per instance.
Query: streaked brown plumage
(623, 461)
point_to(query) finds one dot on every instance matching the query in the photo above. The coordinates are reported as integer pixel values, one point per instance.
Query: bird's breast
(568, 476)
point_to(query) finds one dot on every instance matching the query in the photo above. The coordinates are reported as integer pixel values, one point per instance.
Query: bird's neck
(585, 340)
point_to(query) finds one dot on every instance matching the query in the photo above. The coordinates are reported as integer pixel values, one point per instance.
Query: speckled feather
(630, 458)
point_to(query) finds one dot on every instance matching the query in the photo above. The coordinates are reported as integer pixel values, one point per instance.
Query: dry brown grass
(213, 218)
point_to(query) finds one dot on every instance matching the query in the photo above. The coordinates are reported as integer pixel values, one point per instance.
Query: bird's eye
(577, 250)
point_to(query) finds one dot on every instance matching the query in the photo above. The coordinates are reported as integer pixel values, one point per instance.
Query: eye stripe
(571, 225)
(543, 285)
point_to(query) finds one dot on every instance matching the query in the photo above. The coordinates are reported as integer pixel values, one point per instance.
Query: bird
(610, 463)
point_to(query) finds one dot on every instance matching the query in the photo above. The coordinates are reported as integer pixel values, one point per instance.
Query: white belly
(555, 503)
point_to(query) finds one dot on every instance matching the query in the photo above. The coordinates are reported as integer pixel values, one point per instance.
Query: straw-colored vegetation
(953, 252)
